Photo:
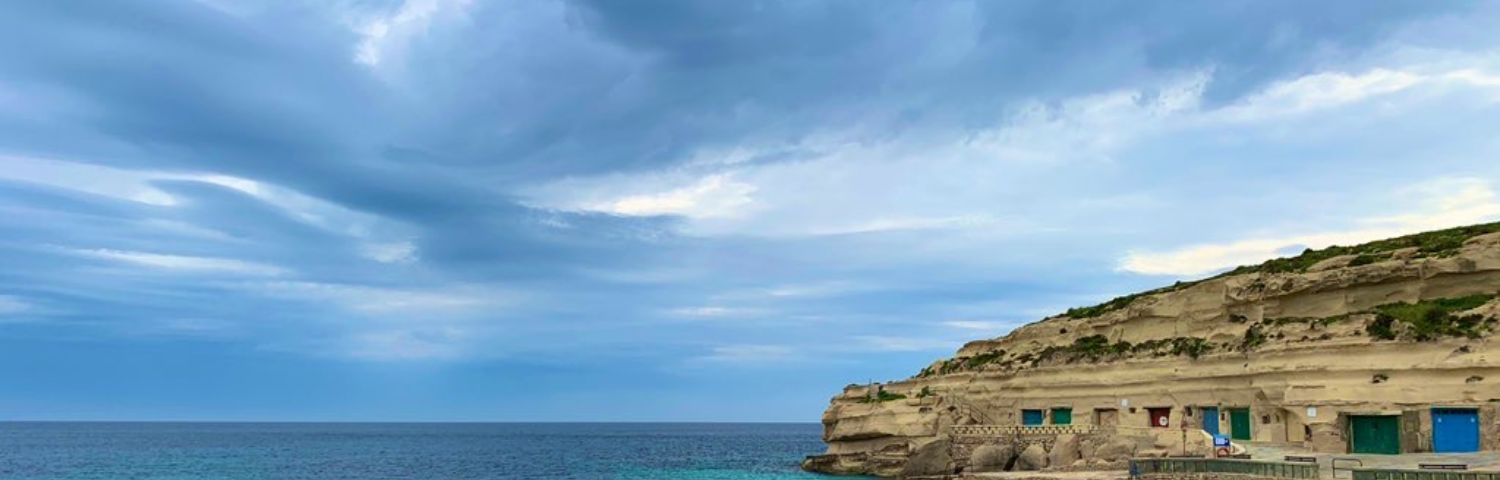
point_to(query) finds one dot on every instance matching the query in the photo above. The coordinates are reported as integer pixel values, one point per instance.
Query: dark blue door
(1032, 417)
(1455, 430)
(1211, 420)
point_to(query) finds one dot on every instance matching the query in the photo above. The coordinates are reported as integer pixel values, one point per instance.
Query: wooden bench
(1443, 466)
(1301, 459)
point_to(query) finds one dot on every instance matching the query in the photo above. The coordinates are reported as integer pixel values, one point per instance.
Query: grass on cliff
(1431, 319)
(883, 396)
(1437, 243)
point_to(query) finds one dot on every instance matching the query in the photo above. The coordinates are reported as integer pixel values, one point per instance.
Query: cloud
(976, 325)
(753, 354)
(400, 252)
(908, 344)
(183, 263)
(383, 34)
(407, 345)
(711, 312)
(403, 303)
(11, 305)
(713, 196)
(1440, 203)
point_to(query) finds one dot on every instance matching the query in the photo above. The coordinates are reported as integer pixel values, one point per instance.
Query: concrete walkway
(1105, 475)
(1489, 461)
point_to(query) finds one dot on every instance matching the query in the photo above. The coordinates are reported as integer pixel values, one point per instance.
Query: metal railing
(1389, 474)
(1013, 430)
(1166, 466)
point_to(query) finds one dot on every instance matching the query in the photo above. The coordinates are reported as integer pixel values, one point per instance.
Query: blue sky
(651, 210)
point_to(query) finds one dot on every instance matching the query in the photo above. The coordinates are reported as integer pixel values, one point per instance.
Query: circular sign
(1162, 421)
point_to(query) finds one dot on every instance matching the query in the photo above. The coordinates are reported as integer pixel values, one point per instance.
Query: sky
(595, 210)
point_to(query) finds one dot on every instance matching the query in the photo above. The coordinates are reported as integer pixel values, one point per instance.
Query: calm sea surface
(371, 451)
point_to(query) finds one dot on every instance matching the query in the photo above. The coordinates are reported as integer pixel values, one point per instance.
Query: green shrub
(1365, 259)
(1437, 243)
(882, 396)
(1254, 338)
(1431, 319)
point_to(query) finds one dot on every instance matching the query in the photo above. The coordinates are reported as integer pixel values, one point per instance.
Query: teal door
(1062, 416)
(1239, 423)
(1375, 434)
(1211, 420)
(1032, 417)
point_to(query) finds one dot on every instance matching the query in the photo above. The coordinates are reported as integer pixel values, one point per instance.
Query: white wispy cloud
(385, 35)
(1439, 203)
(881, 343)
(422, 303)
(712, 312)
(184, 263)
(407, 345)
(976, 325)
(712, 196)
(753, 354)
(399, 252)
(11, 305)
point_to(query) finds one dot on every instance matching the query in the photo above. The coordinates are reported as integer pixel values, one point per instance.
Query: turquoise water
(309, 451)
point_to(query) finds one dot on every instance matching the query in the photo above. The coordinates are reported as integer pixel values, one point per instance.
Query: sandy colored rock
(1033, 458)
(1115, 450)
(1064, 451)
(991, 458)
(932, 459)
(1281, 345)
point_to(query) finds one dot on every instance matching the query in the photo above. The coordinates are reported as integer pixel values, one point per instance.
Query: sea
(436, 451)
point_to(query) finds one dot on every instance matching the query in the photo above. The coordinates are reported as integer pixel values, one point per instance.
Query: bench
(1443, 466)
(1301, 459)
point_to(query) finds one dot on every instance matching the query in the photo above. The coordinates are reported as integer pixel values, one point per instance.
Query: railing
(1012, 430)
(1167, 466)
(968, 410)
(1387, 474)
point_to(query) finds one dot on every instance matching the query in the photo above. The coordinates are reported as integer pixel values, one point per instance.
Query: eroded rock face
(991, 458)
(931, 459)
(1266, 339)
(1033, 458)
(1115, 450)
(1065, 451)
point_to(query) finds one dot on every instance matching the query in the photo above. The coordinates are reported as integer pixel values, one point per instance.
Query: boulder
(1032, 459)
(1115, 450)
(1086, 447)
(1064, 451)
(991, 458)
(930, 460)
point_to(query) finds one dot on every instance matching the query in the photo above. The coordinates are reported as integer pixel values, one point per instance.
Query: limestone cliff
(1373, 327)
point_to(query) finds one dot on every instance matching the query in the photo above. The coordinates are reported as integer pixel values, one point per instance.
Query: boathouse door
(1160, 417)
(1062, 416)
(1455, 430)
(1032, 418)
(1210, 420)
(1239, 423)
(1375, 434)
(1106, 416)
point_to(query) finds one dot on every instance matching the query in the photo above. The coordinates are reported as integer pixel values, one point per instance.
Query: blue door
(1211, 420)
(1455, 430)
(1032, 417)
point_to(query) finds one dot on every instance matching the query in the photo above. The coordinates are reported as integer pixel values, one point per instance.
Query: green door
(1239, 423)
(1062, 416)
(1375, 434)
